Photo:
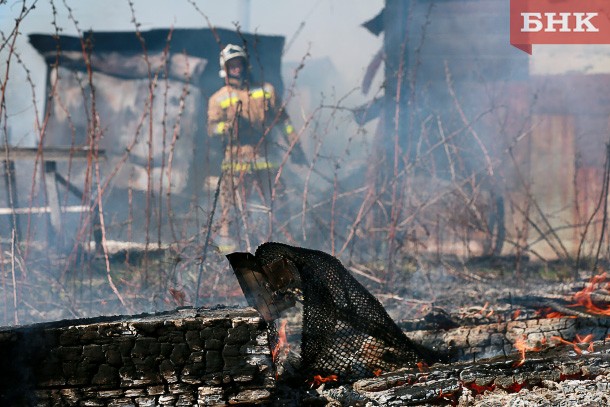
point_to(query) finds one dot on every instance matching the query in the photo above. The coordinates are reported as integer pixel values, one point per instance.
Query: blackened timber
(445, 384)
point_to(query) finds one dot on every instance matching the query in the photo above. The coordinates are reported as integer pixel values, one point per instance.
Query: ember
(515, 387)
(483, 337)
(318, 380)
(479, 389)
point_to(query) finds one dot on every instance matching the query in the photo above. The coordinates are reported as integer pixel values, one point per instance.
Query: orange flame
(583, 297)
(377, 372)
(548, 312)
(516, 314)
(318, 380)
(282, 342)
(580, 340)
(584, 339)
(522, 346)
(482, 310)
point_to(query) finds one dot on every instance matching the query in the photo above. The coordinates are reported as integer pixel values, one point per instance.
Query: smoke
(141, 246)
(321, 20)
(457, 144)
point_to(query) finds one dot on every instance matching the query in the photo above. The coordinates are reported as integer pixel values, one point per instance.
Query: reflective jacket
(246, 114)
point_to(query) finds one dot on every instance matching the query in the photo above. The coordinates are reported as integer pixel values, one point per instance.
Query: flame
(377, 372)
(583, 297)
(580, 340)
(282, 342)
(548, 312)
(318, 380)
(516, 314)
(522, 346)
(482, 310)
(423, 366)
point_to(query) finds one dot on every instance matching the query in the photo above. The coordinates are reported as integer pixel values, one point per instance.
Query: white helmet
(230, 52)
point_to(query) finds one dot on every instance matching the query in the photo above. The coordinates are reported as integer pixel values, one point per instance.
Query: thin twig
(206, 242)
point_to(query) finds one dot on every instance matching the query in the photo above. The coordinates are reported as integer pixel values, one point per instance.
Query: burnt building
(521, 138)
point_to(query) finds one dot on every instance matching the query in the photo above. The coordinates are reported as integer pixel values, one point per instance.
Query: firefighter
(246, 117)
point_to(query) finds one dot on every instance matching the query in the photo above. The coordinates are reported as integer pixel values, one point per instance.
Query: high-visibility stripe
(259, 93)
(220, 128)
(229, 101)
(248, 166)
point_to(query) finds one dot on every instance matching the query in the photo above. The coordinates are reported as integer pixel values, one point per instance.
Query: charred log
(188, 357)
(502, 375)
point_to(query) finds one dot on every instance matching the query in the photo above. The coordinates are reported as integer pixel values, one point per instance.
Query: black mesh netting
(346, 330)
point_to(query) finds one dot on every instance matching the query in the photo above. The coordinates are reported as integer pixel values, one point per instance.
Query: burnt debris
(346, 331)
